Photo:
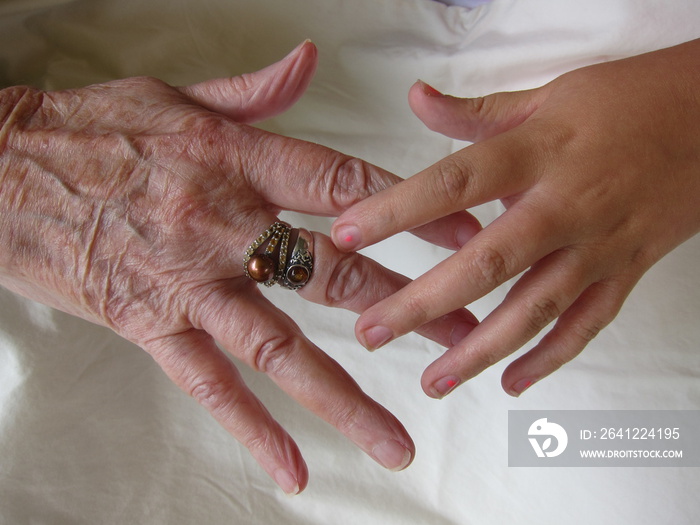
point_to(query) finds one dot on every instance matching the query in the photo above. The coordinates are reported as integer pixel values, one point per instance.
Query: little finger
(195, 364)
(575, 328)
(262, 336)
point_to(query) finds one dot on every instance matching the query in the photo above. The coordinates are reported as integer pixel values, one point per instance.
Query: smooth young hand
(600, 174)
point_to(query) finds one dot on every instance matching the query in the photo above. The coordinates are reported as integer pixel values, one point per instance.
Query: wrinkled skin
(130, 204)
(600, 175)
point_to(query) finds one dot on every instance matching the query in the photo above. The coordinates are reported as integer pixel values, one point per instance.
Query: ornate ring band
(300, 265)
(269, 261)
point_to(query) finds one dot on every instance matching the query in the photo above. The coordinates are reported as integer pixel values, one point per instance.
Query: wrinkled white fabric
(92, 432)
(465, 3)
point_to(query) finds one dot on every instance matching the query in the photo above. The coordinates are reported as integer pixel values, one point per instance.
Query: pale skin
(599, 172)
(130, 204)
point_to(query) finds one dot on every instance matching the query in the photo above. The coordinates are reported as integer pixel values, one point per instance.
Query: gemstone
(298, 274)
(261, 268)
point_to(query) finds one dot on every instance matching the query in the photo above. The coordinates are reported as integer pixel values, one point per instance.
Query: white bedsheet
(92, 432)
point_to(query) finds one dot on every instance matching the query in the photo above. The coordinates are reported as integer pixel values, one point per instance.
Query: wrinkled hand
(600, 174)
(131, 204)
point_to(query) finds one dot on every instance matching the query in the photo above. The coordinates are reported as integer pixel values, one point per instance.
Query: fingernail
(376, 337)
(520, 386)
(347, 237)
(459, 332)
(287, 482)
(465, 233)
(392, 454)
(429, 90)
(307, 41)
(444, 386)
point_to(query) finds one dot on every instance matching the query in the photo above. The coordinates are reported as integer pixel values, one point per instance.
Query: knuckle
(347, 417)
(205, 138)
(600, 314)
(271, 355)
(348, 181)
(416, 310)
(489, 266)
(217, 395)
(583, 332)
(346, 281)
(540, 313)
(200, 143)
(258, 440)
(587, 331)
(478, 105)
(484, 109)
(453, 179)
(242, 84)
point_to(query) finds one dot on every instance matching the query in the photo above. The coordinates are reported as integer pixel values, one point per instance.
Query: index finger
(310, 178)
(490, 170)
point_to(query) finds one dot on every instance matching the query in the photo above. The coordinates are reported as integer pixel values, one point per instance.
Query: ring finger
(538, 298)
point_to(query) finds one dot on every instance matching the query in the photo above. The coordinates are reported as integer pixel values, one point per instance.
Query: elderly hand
(600, 175)
(131, 204)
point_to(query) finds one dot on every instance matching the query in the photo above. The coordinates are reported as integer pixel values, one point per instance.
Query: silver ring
(259, 263)
(269, 261)
(300, 265)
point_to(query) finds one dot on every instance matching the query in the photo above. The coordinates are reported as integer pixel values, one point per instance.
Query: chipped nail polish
(520, 386)
(429, 90)
(444, 386)
(347, 237)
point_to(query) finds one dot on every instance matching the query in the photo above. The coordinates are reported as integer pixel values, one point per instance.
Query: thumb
(472, 119)
(252, 97)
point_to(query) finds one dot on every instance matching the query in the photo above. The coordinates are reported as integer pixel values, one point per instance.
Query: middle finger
(355, 282)
(491, 258)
